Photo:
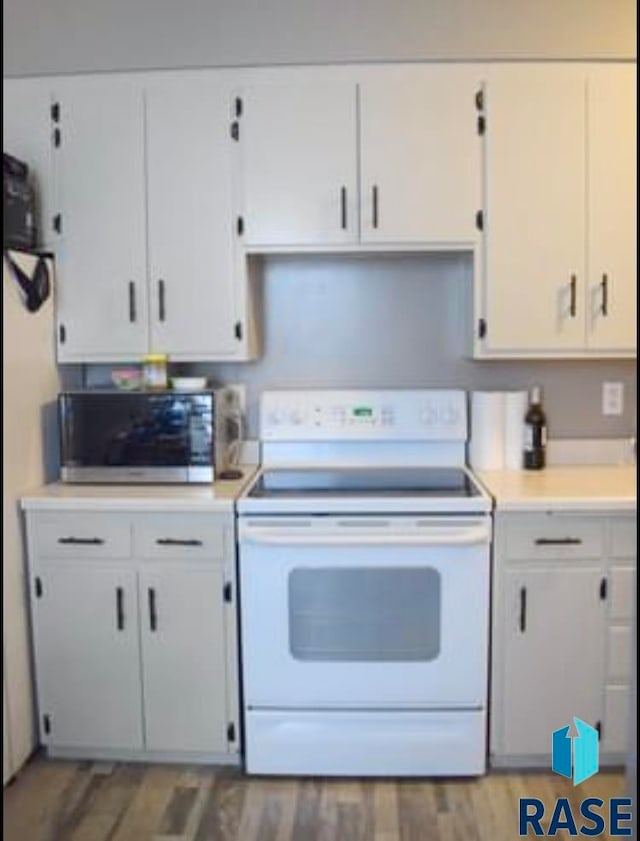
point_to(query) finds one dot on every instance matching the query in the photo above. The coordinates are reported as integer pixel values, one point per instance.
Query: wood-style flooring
(52, 800)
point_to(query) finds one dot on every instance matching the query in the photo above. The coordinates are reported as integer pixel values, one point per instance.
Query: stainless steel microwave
(138, 436)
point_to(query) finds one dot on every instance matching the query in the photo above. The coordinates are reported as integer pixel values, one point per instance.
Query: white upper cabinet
(101, 269)
(147, 257)
(192, 271)
(420, 156)
(611, 217)
(559, 265)
(387, 157)
(299, 173)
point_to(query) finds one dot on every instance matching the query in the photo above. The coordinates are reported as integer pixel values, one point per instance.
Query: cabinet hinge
(227, 592)
(55, 112)
(62, 332)
(482, 124)
(480, 220)
(38, 587)
(480, 100)
(482, 328)
(235, 130)
(57, 137)
(57, 223)
(238, 106)
(46, 723)
(238, 330)
(603, 589)
(240, 225)
(231, 732)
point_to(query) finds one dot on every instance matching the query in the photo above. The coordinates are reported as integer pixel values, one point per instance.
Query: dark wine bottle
(535, 432)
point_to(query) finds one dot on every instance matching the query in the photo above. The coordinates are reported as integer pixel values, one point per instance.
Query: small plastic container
(154, 367)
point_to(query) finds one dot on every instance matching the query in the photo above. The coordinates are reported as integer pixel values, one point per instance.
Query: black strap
(36, 288)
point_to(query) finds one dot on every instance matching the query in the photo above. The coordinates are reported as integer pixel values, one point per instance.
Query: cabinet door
(535, 198)
(298, 147)
(554, 632)
(420, 157)
(87, 656)
(101, 272)
(612, 150)
(192, 270)
(183, 658)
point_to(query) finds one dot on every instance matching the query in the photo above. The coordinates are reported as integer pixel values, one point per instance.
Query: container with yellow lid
(155, 370)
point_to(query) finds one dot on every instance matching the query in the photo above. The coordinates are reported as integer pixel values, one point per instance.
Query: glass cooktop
(430, 482)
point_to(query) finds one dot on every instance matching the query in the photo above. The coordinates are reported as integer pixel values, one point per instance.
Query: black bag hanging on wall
(35, 287)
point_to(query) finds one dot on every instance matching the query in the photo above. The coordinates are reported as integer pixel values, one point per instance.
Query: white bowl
(189, 383)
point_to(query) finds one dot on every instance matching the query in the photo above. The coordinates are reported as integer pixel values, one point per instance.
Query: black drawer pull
(558, 541)
(343, 208)
(120, 608)
(572, 296)
(172, 541)
(523, 609)
(81, 541)
(153, 613)
(374, 199)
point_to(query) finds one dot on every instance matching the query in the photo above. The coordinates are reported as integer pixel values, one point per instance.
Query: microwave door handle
(462, 537)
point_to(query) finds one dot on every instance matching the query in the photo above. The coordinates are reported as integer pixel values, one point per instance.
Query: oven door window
(364, 614)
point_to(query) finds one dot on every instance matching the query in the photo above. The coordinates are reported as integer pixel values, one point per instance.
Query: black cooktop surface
(432, 482)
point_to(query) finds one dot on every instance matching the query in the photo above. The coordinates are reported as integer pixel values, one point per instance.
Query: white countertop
(218, 496)
(566, 487)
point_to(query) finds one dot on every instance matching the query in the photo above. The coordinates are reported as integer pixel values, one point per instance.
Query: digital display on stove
(362, 412)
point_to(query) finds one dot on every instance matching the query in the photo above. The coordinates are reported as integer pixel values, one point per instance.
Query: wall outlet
(612, 398)
(235, 396)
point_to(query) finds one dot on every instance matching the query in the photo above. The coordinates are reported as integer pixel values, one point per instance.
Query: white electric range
(364, 547)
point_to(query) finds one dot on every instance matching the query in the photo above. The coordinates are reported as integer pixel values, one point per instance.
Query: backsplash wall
(401, 321)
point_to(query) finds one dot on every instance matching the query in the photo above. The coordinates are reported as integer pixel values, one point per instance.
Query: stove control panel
(398, 415)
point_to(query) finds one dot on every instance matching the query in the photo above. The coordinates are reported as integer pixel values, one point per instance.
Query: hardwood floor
(53, 800)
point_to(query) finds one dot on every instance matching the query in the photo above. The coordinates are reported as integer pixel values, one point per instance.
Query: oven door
(364, 612)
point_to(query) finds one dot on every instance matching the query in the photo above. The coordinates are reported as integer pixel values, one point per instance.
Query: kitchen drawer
(554, 538)
(623, 583)
(623, 538)
(615, 733)
(619, 654)
(179, 536)
(79, 535)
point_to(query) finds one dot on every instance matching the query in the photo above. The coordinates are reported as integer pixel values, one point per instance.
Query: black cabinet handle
(343, 208)
(374, 198)
(558, 541)
(572, 300)
(523, 609)
(81, 541)
(604, 288)
(153, 613)
(120, 608)
(132, 302)
(162, 309)
(171, 541)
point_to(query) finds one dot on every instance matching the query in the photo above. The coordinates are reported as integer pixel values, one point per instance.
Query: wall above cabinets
(160, 186)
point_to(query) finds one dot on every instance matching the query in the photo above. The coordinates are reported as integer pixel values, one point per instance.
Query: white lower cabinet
(561, 632)
(134, 633)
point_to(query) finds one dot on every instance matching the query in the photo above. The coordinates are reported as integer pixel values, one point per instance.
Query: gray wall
(403, 321)
(66, 36)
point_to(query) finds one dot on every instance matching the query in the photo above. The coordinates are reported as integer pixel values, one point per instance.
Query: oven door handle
(462, 537)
